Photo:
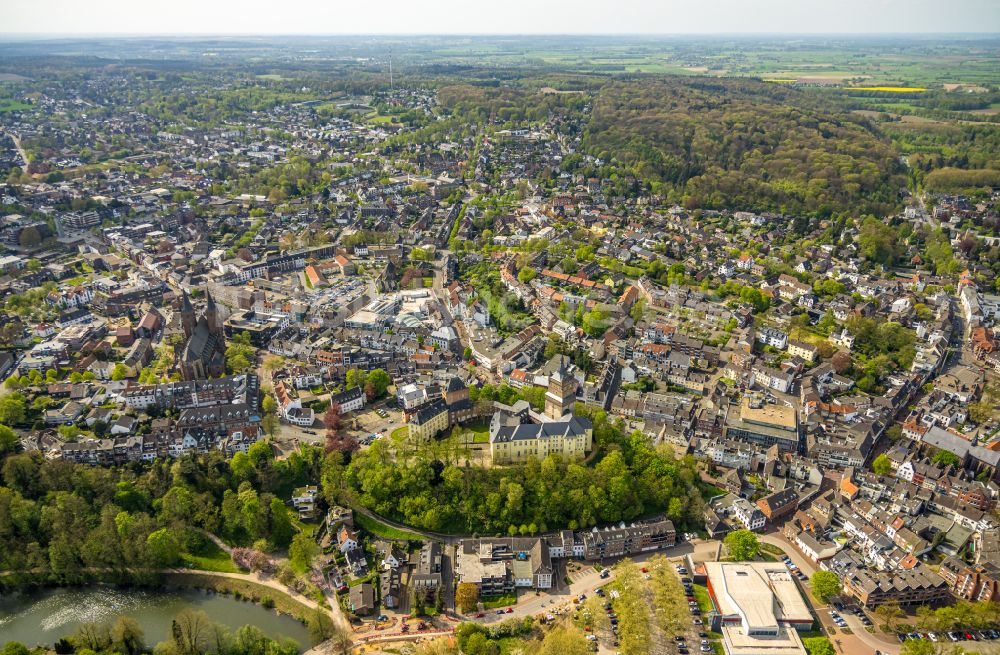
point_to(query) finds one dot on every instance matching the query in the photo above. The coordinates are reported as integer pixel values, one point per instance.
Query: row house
(975, 582)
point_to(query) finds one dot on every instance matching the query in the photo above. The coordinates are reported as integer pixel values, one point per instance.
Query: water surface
(43, 616)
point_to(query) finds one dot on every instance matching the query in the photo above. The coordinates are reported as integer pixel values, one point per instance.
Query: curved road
(389, 523)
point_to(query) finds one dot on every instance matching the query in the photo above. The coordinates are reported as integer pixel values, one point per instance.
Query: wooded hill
(728, 143)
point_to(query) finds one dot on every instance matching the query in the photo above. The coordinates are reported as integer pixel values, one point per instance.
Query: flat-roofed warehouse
(759, 606)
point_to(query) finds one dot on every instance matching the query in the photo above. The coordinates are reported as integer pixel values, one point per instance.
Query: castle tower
(561, 396)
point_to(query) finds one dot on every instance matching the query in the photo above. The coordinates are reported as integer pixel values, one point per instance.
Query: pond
(43, 616)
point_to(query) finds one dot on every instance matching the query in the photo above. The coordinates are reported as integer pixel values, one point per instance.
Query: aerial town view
(500, 329)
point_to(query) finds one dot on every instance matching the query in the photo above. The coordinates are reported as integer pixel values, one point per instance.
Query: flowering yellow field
(888, 89)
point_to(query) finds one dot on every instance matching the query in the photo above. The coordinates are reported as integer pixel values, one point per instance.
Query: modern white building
(759, 606)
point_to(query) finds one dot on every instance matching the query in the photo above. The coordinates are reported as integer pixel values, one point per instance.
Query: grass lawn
(384, 531)
(496, 602)
(702, 598)
(401, 432)
(373, 575)
(708, 491)
(307, 528)
(211, 558)
(479, 431)
(771, 548)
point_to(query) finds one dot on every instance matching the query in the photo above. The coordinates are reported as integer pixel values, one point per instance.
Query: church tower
(212, 315)
(187, 315)
(561, 396)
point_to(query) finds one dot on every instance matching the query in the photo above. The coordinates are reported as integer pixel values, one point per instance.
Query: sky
(496, 16)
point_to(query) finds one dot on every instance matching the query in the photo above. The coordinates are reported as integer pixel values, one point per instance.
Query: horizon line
(124, 34)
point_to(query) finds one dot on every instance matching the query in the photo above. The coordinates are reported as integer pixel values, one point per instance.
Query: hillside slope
(744, 144)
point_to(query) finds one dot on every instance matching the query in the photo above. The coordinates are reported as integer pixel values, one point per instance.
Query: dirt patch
(970, 88)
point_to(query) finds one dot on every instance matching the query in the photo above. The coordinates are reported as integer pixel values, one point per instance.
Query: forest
(949, 157)
(744, 144)
(58, 519)
(505, 104)
(628, 479)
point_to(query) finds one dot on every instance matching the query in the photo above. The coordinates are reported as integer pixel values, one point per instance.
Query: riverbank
(241, 588)
(268, 594)
(42, 616)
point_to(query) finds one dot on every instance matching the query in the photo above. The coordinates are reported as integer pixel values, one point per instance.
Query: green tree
(119, 372)
(882, 465)
(918, 647)
(127, 636)
(742, 545)
(380, 381)
(818, 646)
(877, 241)
(526, 274)
(269, 404)
(8, 440)
(889, 613)
(825, 585)
(466, 597)
(13, 409)
(980, 412)
(163, 547)
(564, 641)
(355, 378)
(946, 458)
(321, 626)
(302, 551)
(15, 648)
(282, 529)
(191, 632)
(94, 636)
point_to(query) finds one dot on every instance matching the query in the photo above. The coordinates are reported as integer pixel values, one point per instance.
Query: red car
(644, 570)
(510, 610)
(480, 615)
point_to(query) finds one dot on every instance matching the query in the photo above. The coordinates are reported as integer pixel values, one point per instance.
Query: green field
(8, 104)
(703, 599)
(210, 558)
(384, 531)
